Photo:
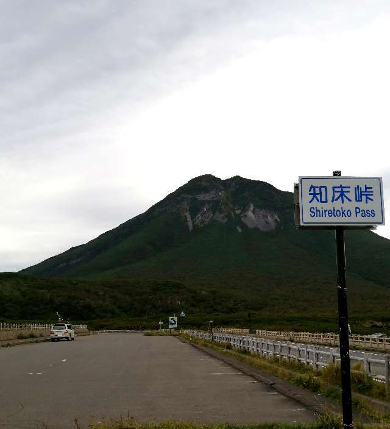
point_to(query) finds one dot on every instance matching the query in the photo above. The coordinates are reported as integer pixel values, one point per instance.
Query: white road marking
(38, 373)
(63, 360)
(226, 373)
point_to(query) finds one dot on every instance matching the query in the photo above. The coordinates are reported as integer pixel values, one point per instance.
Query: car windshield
(59, 327)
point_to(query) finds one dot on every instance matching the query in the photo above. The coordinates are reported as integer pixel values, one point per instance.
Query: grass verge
(324, 422)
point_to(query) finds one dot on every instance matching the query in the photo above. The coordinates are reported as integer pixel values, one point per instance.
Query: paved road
(149, 378)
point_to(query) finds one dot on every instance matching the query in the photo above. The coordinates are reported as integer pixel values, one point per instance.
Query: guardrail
(378, 369)
(365, 342)
(32, 326)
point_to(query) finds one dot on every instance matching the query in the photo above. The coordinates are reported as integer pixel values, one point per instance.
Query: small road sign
(172, 322)
(341, 201)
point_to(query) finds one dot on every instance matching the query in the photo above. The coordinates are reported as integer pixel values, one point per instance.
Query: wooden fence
(32, 326)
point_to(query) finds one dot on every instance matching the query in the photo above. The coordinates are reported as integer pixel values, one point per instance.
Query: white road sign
(341, 201)
(172, 322)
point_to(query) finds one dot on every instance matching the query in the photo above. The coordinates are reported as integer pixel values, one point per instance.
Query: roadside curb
(316, 403)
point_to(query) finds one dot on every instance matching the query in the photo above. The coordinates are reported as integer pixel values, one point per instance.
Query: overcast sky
(107, 106)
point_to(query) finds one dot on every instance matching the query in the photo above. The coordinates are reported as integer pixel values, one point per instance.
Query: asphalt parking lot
(148, 378)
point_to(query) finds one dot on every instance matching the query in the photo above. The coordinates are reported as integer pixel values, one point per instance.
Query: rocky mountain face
(207, 199)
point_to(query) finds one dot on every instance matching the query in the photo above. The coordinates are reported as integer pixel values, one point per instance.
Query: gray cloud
(72, 73)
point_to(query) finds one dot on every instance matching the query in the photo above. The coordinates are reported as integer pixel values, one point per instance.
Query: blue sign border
(303, 223)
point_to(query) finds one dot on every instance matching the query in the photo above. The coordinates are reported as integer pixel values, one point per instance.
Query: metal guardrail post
(366, 365)
(316, 361)
(387, 373)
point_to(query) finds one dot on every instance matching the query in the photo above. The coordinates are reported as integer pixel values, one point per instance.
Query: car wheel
(52, 340)
(67, 338)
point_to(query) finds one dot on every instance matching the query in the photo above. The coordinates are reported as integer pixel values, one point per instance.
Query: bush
(360, 381)
(329, 421)
(309, 382)
(332, 374)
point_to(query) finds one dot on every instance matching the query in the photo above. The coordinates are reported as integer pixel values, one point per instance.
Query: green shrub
(360, 381)
(308, 381)
(332, 374)
(329, 421)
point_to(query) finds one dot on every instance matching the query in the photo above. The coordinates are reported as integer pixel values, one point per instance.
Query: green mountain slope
(220, 232)
(220, 248)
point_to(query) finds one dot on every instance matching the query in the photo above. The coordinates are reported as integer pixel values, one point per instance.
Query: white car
(61, 331)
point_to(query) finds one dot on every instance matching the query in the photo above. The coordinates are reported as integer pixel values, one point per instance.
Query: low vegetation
(325, 422)
(22, 334)
(360, 381)
(160, 334)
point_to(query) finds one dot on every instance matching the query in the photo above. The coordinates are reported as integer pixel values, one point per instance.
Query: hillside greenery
(193, 252)
(130, 304)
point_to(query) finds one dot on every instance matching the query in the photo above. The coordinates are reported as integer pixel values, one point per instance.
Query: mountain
(236, 239)
(212, 228)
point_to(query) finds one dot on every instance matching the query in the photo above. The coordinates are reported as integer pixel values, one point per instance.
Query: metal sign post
(343, 325)
(211, 329)
(340, 203)
(343, 329)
